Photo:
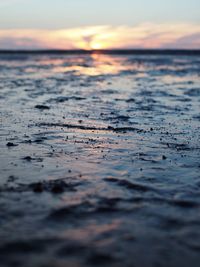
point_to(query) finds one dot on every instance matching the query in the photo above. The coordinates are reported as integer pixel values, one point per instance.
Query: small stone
(28, 158)
(38, 188)
(10, 144)
(42, 107)
(57, 189)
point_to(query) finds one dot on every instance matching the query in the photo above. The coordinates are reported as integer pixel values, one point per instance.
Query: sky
(99, 24)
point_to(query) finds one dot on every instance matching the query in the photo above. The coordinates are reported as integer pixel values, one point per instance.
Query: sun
(96, 45)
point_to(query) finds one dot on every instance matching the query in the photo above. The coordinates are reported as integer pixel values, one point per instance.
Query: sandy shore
(100, 160)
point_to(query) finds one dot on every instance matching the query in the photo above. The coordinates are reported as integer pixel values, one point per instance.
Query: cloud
(191, 40)
(147, 35)
(18, 43)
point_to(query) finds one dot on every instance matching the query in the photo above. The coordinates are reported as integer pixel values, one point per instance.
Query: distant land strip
(189, 52)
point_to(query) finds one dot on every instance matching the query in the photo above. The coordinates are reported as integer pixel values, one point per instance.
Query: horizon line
(142, 51)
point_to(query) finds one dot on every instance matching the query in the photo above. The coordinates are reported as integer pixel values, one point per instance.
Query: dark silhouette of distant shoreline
(189, 52)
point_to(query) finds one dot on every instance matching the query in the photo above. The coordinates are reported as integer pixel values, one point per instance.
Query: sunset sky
(95, 24)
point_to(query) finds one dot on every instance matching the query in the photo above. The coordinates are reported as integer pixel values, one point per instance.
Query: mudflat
(100, 160)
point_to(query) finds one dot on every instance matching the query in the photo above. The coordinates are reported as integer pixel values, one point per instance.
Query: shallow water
(100, 160)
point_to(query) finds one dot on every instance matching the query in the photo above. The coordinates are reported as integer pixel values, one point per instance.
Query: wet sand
(100, 160)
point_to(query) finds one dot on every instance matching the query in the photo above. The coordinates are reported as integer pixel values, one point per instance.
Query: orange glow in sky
(145, 35)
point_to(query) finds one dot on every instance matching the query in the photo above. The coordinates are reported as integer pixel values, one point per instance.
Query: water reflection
(93, 65)
(92, 231)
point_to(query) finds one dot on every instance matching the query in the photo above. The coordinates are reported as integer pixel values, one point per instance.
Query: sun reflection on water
(96, 64)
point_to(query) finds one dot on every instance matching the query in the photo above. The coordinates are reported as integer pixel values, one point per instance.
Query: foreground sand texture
(100, 161)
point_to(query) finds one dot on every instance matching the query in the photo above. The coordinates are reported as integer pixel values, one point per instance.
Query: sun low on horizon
(95, 25)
